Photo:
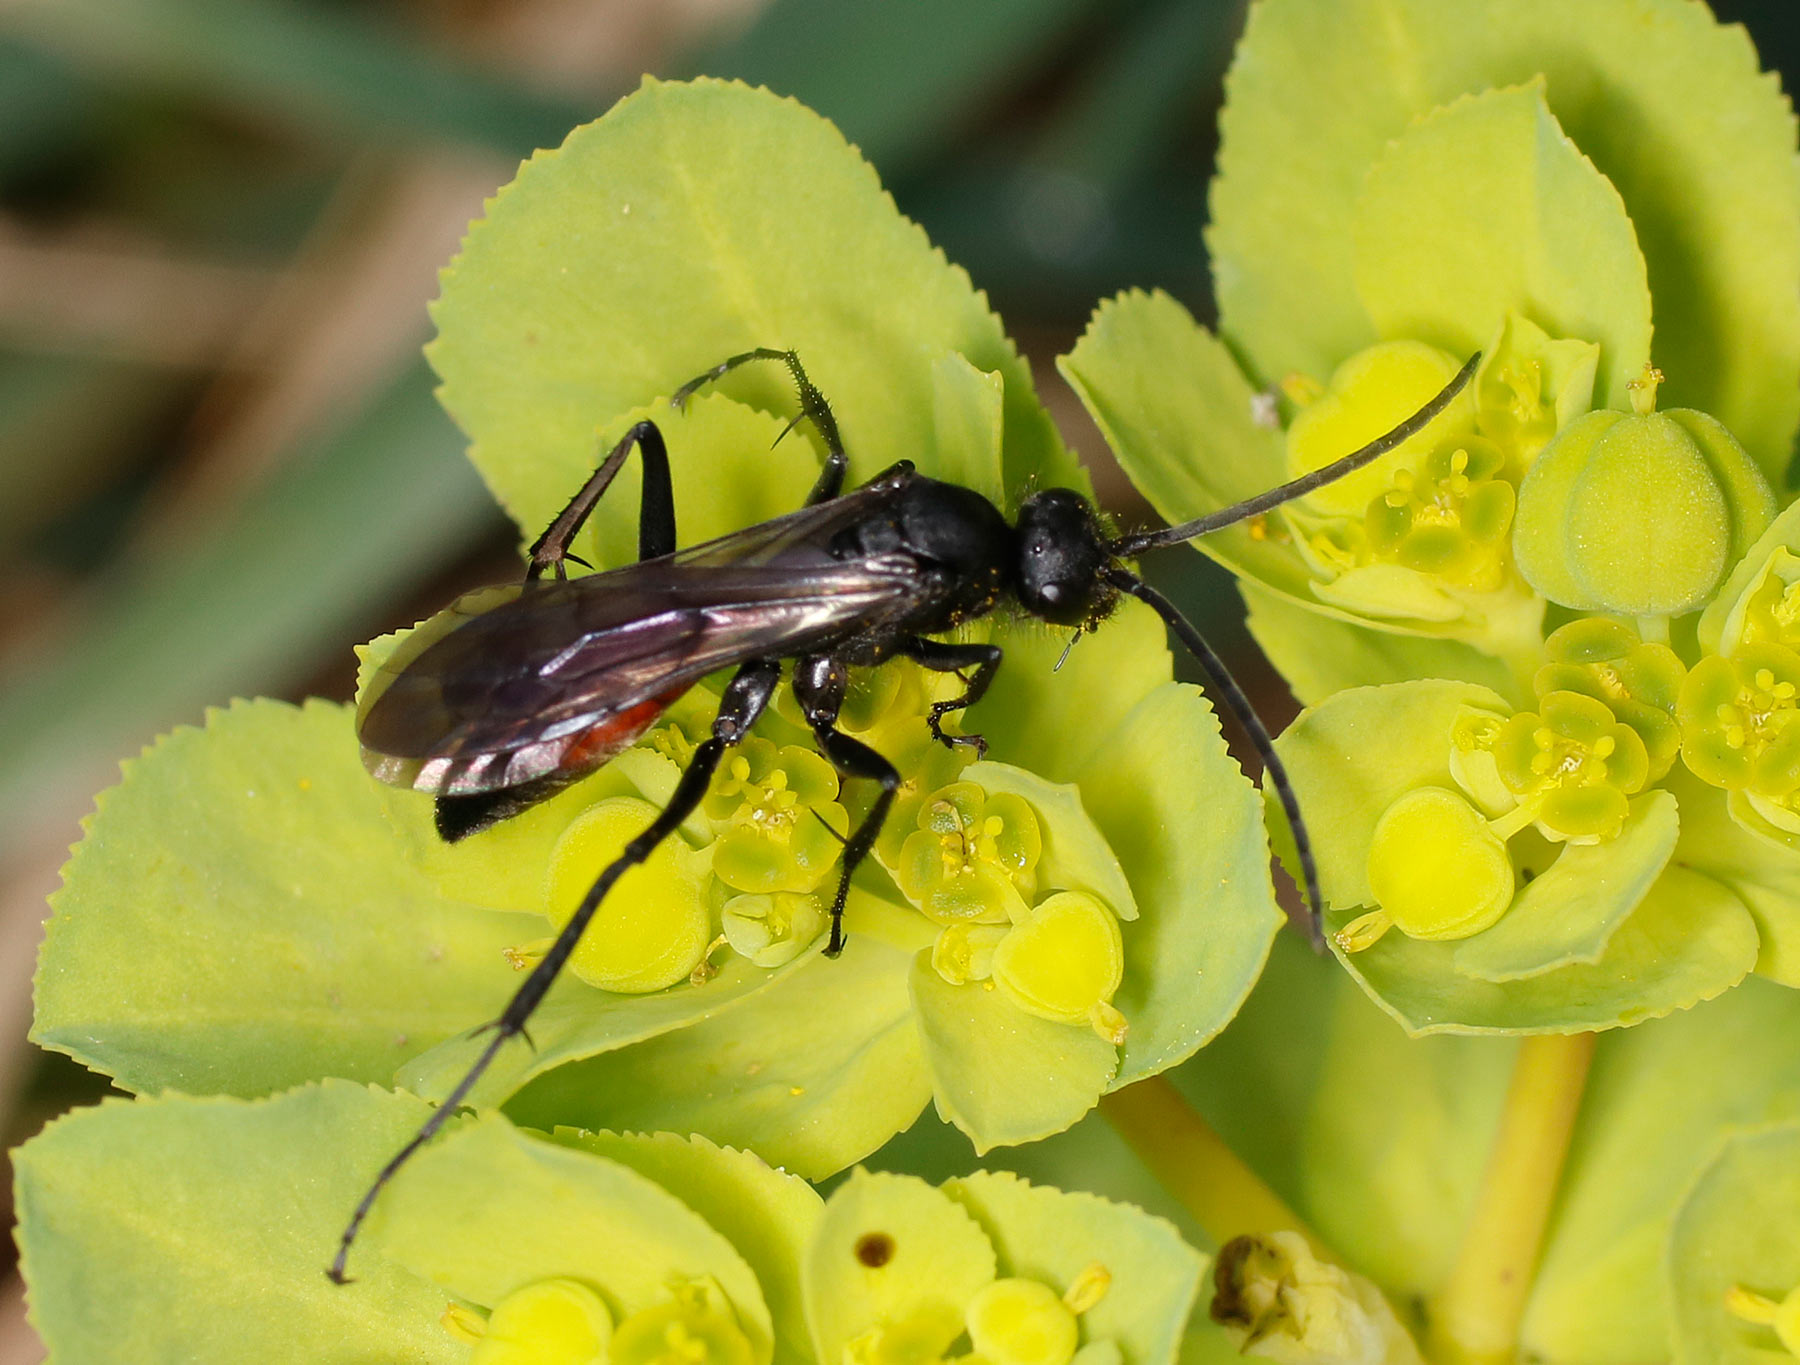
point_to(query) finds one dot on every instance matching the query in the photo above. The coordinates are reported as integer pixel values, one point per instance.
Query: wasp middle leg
(941, 657)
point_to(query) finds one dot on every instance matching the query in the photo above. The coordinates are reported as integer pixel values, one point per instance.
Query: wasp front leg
(940, 657)
(819, 684)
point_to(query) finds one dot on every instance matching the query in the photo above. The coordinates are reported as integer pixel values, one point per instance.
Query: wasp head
(1062, 555)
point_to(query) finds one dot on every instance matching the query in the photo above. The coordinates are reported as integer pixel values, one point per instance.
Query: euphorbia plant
(1544, 647)
(1550, 663)
(1035, 928)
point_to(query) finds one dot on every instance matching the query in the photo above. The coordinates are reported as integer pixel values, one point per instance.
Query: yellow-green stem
(1193, 1163)
(1475, 1320)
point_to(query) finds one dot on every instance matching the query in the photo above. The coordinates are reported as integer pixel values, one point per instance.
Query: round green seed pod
(1436, 867)
(1639, 514)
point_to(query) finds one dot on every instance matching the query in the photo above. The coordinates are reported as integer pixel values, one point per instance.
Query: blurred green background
(221, 465)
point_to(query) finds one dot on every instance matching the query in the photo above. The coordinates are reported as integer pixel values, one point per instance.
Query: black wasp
(511, 695)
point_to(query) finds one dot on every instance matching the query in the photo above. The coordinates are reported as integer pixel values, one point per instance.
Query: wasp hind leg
(813, 408)
(656, 512)
(853, 758)
(745, 697)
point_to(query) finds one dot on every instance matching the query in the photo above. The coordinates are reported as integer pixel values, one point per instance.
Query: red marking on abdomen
(615, 734)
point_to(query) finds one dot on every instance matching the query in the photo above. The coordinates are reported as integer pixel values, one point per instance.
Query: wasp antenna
(1239, 706)
(1131, 546)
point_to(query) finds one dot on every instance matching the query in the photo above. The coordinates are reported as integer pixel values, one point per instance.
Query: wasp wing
(511, 684)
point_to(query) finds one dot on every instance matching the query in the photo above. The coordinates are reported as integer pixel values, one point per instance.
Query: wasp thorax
(1062, 552)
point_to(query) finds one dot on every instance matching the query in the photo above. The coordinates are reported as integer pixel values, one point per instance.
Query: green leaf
(968, 411)
(1377, 1140)
(766, 1214)
(1380, 1140)
(1050, 720)
(665, 237)
(891, 1250)
(1735, 1230)
(199, 1229)
(1149, 417)
(578, 1021)
(1659, 1099)
(1353, 756)
(1484, 208)
(729, 467)
(1569, 913)
(1206, 906)
(1397, 1135)
(1650, 90)
(1177, 414)
(486, 1210)
(1090, 1156)
(344, 71)
(1001, 1075)
(1052, 1236)
(1765, 877)
(238, 919)
(1356, 753)
(1689, 939)
(1076, 856)
(1319, 655)
(1725, 611)
(811, 1075)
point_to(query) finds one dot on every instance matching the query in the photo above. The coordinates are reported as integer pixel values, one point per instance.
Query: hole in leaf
(874, 1249)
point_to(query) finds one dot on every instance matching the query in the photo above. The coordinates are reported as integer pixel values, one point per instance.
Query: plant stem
(1193, 1163)
(1475, 1320)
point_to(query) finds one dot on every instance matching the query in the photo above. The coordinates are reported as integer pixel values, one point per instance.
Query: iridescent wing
(510, 684)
